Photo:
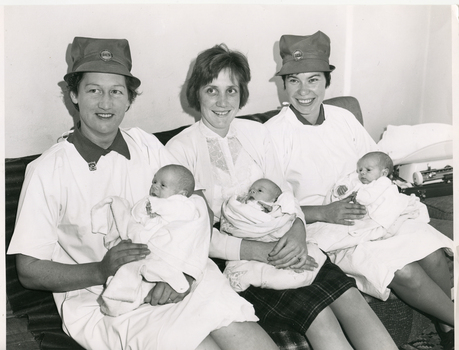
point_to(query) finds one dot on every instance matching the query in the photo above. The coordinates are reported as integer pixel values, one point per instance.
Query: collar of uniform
(210, 134)
(319, 121)
(91, 152)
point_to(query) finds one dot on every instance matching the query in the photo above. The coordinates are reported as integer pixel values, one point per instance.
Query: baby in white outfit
(264, 214)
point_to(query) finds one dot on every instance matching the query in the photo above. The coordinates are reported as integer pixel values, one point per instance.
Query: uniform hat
(302, 54)
(101, 56)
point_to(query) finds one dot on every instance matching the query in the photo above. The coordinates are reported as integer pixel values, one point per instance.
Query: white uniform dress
(314, 157)
(54, 223)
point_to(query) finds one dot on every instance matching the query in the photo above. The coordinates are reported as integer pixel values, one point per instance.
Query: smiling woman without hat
(226, 155)
(320, 143)
(58, 251)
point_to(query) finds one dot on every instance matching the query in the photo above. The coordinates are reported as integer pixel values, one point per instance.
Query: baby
(371, 186)
(175, 225)
(264, 214)
(373, 168)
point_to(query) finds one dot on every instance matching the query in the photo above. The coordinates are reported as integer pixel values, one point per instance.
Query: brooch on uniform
(92, 166)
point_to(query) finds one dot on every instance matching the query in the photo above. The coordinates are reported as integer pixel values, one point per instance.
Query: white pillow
(403, 143)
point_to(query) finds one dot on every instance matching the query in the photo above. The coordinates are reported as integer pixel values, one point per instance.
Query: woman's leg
(417, 285)
(243, 335)
(360, 323)
(436, 267)
(325, 332)
(208, 344)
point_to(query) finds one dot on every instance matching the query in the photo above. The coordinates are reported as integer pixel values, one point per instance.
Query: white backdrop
(396, 59)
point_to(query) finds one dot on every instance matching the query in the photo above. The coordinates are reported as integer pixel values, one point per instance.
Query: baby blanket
(247, 221)
(177, 236)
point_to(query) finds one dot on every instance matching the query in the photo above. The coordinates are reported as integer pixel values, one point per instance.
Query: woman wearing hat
(57, 250)
(319, 143)
(226, 154)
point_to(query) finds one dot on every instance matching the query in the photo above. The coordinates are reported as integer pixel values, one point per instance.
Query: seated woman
(320, 143)
(227, 155)
(57, 250)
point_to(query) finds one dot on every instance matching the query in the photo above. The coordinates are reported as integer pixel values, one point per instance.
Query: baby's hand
(243, 199)
(266, 207)
(341, 190)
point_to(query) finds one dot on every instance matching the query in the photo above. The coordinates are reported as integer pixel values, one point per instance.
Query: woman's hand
(291, 250)
(123, 253)
(162, 293)
(343, 212)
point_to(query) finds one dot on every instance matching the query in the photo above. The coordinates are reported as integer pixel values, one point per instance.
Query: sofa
(44, 324)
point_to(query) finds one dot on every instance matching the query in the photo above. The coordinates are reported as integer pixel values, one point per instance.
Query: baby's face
(263, 190)
(164, 184)
(369, 169)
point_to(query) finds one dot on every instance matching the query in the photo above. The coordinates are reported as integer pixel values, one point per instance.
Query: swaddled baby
(264, 214)
(172, 221)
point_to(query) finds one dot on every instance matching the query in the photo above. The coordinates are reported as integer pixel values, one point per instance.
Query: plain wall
(396, 59)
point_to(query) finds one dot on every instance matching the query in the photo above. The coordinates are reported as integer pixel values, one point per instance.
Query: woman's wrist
(314, 213)
(253, 250)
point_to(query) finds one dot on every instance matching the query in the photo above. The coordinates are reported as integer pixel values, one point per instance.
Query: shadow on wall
(281, 95)
(74, 114)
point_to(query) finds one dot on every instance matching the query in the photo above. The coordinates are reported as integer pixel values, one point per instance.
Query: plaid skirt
(295, 309)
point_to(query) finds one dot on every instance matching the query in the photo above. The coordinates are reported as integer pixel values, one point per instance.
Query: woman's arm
(57, 277)
(162, 293)
(254, 250)
(342, 212)
(209, 210)
(291, 250)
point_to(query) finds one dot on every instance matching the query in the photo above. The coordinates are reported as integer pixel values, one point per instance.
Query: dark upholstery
(402, 322)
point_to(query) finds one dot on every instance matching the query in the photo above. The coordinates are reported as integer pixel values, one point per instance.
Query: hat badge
(105, 55)
(297, 55)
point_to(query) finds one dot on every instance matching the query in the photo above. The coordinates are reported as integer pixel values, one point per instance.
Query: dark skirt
(295, 309)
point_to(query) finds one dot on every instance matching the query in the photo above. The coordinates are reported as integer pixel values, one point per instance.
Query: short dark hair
(208, 66)
(73, 83)
(326, 74)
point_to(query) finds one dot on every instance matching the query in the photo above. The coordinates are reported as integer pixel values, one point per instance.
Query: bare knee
(408, 276)
(437, 258)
